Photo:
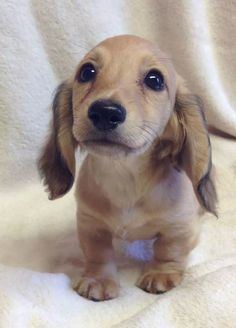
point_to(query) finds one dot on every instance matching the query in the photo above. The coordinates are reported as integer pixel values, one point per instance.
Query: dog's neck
(127, 179)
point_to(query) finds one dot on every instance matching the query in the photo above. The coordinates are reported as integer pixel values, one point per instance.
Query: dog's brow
(96, 56)
(152, 60)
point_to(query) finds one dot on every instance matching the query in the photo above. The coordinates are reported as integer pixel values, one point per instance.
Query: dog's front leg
(99, 280)
(166, 270)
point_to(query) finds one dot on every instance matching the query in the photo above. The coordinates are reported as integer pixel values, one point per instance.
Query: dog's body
(131, 201)
(148, 169)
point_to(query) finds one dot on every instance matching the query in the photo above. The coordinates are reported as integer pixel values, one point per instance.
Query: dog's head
(124, 98)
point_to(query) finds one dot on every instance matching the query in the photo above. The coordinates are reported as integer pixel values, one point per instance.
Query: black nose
(106, 115)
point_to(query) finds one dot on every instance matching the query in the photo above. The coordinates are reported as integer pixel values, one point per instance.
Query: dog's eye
(154, 80)
(87, 73)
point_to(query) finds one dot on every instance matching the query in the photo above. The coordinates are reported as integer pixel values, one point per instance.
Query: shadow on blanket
(60, 253)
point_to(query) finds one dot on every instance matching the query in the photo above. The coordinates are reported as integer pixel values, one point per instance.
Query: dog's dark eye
(87, 73)
(154, 80)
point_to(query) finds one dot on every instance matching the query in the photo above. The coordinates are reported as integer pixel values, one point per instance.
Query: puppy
(148, 171)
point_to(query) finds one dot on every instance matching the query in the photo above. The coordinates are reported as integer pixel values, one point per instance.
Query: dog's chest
(121, 185)
(135, 204)
(133, 223)
(154, 206)
(129, 217)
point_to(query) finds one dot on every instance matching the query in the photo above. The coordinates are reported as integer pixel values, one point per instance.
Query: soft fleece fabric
(41, 42)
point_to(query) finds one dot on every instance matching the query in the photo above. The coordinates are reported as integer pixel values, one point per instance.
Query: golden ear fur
(57, 162)
(195, 154)
(186, 142)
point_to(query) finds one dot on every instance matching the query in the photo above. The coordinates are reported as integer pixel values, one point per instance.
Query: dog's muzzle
(106, 115)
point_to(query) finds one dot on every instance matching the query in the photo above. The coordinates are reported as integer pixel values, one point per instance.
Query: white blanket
(41, 42)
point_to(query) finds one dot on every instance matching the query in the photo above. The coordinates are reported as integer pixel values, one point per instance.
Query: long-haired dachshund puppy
(148, 171)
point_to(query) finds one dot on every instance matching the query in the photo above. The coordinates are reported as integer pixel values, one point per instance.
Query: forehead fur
(122, 42)
(127, 44)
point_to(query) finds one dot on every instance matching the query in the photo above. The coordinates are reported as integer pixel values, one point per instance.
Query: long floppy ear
(57, 162)
(195, 154)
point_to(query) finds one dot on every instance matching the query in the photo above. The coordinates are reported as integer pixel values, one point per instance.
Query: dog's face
(123, 96)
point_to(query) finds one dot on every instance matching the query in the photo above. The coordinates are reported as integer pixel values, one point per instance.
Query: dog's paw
(96, 289)
(159, 282)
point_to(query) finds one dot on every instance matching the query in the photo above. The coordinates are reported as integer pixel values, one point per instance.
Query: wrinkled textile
(41, 42)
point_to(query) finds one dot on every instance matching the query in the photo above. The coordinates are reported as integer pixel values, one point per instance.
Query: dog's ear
(57, 162)
(195, 148)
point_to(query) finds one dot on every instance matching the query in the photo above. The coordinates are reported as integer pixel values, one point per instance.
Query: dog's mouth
(110, 147)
